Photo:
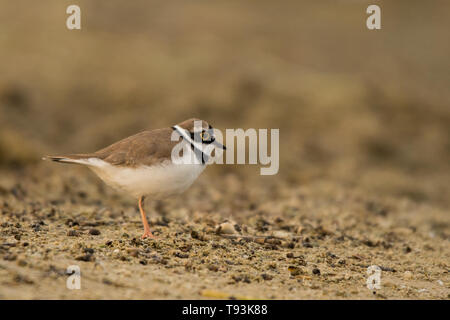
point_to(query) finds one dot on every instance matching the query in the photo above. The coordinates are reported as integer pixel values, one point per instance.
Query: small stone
(200, 235)
(301, 261)
(72, 233)
(133, 252)
(270, 246)
(422, 290)
(295, 271)
(243, 278)
(10, 257)
(195, 234)
(22, 279)
(94, 232)
(316, 271)
(280, 234)
(186, 248)
(86, 258)
(181, 255)
(290, 245)
(260, 240)
(226, 228)
(408, 275)
(266, 276)
(307, 244)
(22, 263)
(213, 267)
(71, 223)
(88, 250)
(331, 255)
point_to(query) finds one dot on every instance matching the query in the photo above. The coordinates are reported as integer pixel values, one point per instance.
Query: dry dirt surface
(364, 123)
(313, 242)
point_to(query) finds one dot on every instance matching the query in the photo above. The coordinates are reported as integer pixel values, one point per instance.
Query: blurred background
(364, 108)
(364, 120)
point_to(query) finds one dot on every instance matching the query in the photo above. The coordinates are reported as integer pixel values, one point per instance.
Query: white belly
(157, 181)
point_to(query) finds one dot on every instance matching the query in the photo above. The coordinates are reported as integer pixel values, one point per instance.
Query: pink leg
(147, 232)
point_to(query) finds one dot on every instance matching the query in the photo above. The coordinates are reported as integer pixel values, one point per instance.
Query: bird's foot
(148, 234)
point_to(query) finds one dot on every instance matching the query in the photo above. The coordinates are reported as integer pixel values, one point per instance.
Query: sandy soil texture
(364, 123)
(277, 243)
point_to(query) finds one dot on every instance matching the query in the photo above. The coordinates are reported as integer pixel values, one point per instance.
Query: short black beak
(218, 144)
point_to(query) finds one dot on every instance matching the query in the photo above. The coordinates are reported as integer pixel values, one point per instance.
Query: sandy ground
(311, 242)
(364, 123)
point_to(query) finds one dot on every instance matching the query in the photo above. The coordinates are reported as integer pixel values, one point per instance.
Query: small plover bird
(143, 164)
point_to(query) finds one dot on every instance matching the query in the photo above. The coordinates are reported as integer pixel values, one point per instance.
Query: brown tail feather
(70, 158)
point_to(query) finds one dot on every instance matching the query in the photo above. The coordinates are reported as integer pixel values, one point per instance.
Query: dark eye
(205, 136)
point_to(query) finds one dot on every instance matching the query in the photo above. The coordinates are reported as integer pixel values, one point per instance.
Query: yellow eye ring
(205, 135)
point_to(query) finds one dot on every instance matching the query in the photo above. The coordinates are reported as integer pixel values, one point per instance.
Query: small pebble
(10, 257)
(22, 263)
(266, 276)
(88, 250)
(86, 257)
(143, 262)
(422, 290)
(226, 228)
(295, 271)
(281, 234)
(307, 244)
(94, 232)
(213, 267)
(195, 234)
(260, 240)
(133, 252)
(181, 255)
